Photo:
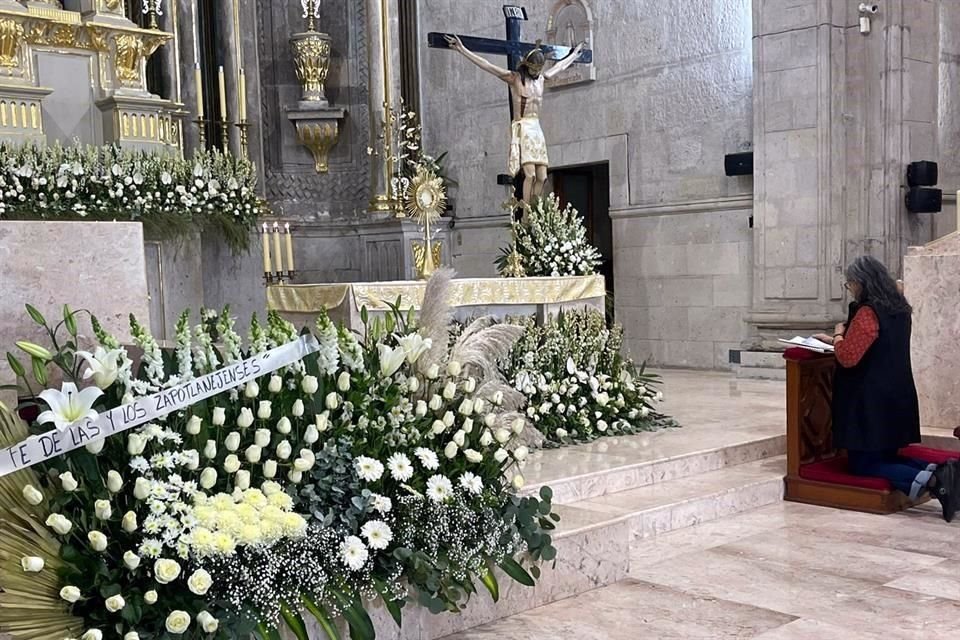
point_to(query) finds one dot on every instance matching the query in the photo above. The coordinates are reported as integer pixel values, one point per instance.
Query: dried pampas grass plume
(435, 318)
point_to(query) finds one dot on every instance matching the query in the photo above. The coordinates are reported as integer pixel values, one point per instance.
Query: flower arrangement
(368, 469)
(549, 241)
(168, 194)
(577, 384)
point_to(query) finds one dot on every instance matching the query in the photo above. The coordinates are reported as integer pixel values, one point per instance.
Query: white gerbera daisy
(377, 533)
(353, 553)
(471, 483)
(427, 458)
(369, 469)
(400, 467)
(439, 488)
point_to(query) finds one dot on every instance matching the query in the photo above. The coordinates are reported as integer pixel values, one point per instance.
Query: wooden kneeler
(810, 450)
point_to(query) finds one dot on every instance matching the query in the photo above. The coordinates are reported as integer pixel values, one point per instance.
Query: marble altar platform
(470, 297)
(931, 277)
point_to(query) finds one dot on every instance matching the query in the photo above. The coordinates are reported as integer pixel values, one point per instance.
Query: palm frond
(30, 603)
(435, 316)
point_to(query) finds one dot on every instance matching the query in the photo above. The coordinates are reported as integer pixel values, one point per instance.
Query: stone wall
(672, 96)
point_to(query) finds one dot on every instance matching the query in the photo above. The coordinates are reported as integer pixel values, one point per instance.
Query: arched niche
(571, 22)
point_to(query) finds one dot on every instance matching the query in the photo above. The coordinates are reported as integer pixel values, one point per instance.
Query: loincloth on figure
(527, 144)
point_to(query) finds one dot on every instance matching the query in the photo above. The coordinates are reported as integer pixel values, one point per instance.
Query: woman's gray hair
(877, 287)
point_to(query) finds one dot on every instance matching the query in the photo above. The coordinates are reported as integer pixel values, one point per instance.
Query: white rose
(251, 390)
(460, 437)
(177, 622)
(131, 635)
(262, 437)
(115, 603)
(92, 634)
(486, 439)
(114, 481)
(518, 425)
(271, 488)
(98, 541)
(59, 523)
(302, 464)
(449, 391)
(194, 424)
(473, 456)
(231, 464)
(311, 435)
(438, 427)
(275, 384)
(454, 368)
(70, 594)
(96, 446)
(421, 409)
(467, 425)
(450, 450)
(210, 449)
(602, 426)
(448, 418)
(207, 622)
(253, 454)
(219, 416)
(31, 564)
(490, 420)
(502, 436)
(466, 407)
(297, 409)
(136, 444)
(497, 398)
(166, 571)
(322, 421)
(521, 453)
(343, 382)
(500, 455)
(129, 522)
(200, 582)
(265, 410)
(191, 459)
(242, 480)
(284, 450)
(310, 384)
(32, 495)
(470, 385)
(102, 509)
(208, 478)
(131, 560)
(518, 482)
(270, 469)
(561, 433)
(332, 401)
(413, 384)
(245, 419)
(436, 402)
(68, 482)
(295, 476)
(479, 405)
(150, 597)
(433, 372)
(284, 426)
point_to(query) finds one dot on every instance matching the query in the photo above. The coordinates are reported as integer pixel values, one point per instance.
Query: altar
(470, 298)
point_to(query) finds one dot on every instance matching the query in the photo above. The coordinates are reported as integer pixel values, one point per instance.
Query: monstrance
(426, 200)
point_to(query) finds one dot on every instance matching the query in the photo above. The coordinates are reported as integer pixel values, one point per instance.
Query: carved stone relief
(570, 23)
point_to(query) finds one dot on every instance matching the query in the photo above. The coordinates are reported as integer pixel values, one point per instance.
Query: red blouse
(860, 336)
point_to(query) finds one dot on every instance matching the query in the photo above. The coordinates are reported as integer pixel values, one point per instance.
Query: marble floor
(784, 572)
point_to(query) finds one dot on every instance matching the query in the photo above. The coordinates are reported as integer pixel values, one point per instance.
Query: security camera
(869, 8)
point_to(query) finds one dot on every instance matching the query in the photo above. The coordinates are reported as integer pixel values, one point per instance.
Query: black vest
(875, 404)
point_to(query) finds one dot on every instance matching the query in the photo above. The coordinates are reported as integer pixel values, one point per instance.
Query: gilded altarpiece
(50, 58)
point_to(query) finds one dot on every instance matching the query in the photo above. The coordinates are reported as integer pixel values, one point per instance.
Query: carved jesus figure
(528, 147)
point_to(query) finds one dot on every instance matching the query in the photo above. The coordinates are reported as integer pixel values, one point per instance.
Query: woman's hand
(840, 329)
(822, 337)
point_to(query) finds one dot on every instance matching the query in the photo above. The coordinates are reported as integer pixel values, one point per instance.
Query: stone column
(838, 115)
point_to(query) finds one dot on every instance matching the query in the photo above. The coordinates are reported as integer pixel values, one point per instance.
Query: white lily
(414, 346)
(68, 405)
(390, 359)
(102, 365)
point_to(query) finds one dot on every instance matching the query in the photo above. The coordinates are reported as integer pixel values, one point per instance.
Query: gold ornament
(426, 200)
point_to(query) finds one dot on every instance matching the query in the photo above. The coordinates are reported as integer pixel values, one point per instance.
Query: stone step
(763, 359)
(668, 506)
(586, 474)
(760, 373)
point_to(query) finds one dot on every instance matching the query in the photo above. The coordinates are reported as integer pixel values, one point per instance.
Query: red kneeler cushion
(834, 470)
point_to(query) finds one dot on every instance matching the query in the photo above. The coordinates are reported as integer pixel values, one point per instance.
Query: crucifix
(525, 75)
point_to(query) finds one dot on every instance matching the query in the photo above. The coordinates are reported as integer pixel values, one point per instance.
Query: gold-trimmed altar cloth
(466, 292)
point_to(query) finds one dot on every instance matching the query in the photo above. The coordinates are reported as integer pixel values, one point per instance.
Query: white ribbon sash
(54, 443)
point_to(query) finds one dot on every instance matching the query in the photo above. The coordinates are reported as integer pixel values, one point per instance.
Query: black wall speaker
(924, 200)
(738, 164)
(922, 174)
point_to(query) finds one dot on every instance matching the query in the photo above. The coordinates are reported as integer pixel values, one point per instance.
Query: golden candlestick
(201, 133)
(244, 128)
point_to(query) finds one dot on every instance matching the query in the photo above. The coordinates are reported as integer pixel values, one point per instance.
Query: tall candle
(289, 248)
(196, 33)
(223, 95)
(276, 247)
(198, 81)
(267, 266)
(958, 211)
(242, 97)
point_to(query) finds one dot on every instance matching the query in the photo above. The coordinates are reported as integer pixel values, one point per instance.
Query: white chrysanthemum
(427, 458)
(353, 553)
(439, 488)
(377, 533)
(400, 467)
(369, 469)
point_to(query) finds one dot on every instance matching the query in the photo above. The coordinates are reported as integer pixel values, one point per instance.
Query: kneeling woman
(875, 408)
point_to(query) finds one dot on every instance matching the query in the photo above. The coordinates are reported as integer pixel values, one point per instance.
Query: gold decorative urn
(311, 60)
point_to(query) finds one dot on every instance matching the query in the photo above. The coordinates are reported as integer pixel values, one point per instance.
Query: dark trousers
(901, 472)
